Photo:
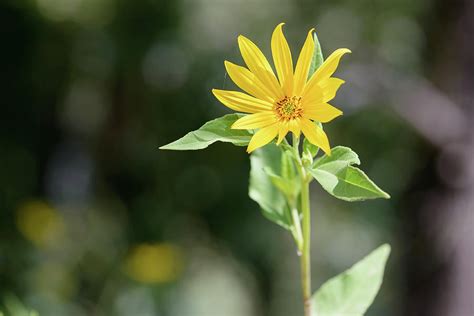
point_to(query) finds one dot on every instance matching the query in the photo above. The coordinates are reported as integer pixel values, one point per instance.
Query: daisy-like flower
(290, 102)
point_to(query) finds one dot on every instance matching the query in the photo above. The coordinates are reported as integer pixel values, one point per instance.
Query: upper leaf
(340, 179)
(318, 58)
(347, 183)
(339, 154)
(211, 132)
(262, 189)
(352, 292)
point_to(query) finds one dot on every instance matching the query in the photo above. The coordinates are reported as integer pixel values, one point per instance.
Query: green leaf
(261, 188)
(343, 181)
(317, 59)
(288, 170)
(352, 292)
(279, 182)
(15, 307)
(211, 132)
(288, 182)
(339, 154)
(310, 149)
(347, 183)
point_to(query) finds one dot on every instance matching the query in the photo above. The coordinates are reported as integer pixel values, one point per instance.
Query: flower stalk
(305, 249)
(306, 253)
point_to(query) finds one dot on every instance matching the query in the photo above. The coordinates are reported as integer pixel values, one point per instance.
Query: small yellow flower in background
(289, 103)
(40, 223)
(154, 263)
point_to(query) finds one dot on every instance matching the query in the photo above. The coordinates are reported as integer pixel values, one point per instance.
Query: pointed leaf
(340, 179)
(347, 183)
(211, 132)
(318, 58)
(352, 292)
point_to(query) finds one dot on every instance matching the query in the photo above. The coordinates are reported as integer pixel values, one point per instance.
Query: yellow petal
(322, 112)
(294, 127)
(263, 137)
(303, 64)
(315, 135)
(241, 102)
(323, 91)
(282, 131)
(282, 59)
(330, 87)
(248, 82)
(257, 120)
(330, 64)
(259, 66)
(326, 70)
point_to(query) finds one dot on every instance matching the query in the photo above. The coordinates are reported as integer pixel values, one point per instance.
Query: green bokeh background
(95, 220)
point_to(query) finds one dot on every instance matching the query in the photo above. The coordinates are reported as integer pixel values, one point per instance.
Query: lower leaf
(352, 292)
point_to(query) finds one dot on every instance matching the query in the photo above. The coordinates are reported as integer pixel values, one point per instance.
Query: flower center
(288, 108)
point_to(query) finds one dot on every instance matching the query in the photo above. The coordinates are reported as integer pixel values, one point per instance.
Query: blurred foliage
(14, 307)
(95, 220)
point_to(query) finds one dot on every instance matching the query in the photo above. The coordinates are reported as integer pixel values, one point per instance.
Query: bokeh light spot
(154, 263)
(40, 223)
(86, 12)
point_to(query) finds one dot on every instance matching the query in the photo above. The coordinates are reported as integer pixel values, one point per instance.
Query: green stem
(306, 253)
(306, 227)
(298, 233)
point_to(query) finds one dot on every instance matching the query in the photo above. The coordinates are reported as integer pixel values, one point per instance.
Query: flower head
(290, 102)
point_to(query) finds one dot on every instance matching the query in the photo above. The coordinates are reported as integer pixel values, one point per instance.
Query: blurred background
(95, 220)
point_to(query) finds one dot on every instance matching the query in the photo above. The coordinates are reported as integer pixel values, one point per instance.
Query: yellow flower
(289, 103)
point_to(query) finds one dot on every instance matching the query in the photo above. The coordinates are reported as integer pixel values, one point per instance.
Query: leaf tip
(385, 195)
(384, 251)
(385, 248)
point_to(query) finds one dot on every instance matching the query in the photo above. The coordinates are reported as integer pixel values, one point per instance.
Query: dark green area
(90, 89)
